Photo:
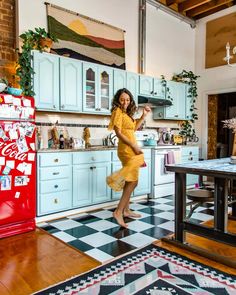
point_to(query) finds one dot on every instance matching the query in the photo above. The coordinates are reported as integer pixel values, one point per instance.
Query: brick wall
(7, 39)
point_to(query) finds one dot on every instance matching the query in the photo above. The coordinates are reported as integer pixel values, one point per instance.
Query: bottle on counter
(61, 142)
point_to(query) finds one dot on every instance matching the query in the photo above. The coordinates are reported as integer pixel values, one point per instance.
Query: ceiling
(196, 9)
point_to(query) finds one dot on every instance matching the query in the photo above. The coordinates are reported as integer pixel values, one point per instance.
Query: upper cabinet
(46, 81)
(178, 94)
(129, 80)
(151, 87)
(97, 88)
(70, 84)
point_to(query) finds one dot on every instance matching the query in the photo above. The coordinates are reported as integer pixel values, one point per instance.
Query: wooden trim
(17, 44)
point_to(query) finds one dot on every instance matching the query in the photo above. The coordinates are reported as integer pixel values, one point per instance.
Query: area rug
(150, 270)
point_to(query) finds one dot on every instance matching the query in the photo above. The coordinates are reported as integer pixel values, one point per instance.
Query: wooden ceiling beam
(206, 7)
(214, 10)
(187, 5)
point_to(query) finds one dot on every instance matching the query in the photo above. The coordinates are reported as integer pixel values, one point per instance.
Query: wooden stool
(197, 198)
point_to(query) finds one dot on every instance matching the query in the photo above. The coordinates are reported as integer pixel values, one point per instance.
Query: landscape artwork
(86, 39)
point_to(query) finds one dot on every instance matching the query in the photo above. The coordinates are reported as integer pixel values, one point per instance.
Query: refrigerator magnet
(5, 183)
(26, 102)
(6, 170)
(21, 180)
(8, 98)
(10, 164)
(17, 195)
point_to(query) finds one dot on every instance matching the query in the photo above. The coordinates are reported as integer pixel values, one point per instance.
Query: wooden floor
(36, 260)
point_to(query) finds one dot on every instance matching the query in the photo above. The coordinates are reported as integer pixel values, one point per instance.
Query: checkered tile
(97, 233)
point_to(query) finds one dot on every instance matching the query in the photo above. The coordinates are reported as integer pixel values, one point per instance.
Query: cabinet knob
(63, 106)
(55, 160)
(155, 93)
(160, 115)
(91, 168)
(98, 109)
(93, 158)
(176, 116)
(54, 106)
(151, 92)
(55, 173)
(55, 201)
(56, 186)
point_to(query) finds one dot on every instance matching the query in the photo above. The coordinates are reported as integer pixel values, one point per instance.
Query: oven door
(161, 175)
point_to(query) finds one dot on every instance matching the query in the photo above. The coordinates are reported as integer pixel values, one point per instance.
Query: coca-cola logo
(11, 151)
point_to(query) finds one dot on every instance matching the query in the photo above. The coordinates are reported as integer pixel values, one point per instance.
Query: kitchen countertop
(104, 148)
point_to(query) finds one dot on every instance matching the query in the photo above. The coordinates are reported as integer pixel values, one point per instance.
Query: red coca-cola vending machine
(17, 165)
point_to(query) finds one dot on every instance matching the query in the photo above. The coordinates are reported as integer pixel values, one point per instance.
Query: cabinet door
(144, 184)
(158, 89)
(145, 85)
(82, 185)
(105, 89)
(101, 192)
(133, 85)
(177, 92)
(71, 85)
(115, 167)
(119, 82)
(90, 87)
(46, 81)
(189, 102)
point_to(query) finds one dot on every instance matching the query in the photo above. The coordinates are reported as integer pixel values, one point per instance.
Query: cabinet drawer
(189, 158)
(146, 152)
(55, 172)
(185, 151)
(53, 186)
(91, 157)
(54, 159)
(49, 203)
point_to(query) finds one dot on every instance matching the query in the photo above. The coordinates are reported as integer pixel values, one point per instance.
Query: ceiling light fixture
(228, 57)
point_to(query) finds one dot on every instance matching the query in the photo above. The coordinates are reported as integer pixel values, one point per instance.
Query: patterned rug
(150, 270)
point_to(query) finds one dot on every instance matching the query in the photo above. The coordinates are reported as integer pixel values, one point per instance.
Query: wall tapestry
(86, 39)
(218, 32)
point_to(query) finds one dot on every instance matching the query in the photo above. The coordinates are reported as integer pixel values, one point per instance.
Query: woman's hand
(146, 110)
(137, 149)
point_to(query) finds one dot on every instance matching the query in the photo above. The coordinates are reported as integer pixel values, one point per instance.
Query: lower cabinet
(188, 155)
(144, 184)
(90, 170)
(54, 182)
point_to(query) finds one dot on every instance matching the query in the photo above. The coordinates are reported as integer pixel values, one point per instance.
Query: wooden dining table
(223, 173)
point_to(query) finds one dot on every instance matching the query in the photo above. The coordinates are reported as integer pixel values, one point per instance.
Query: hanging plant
(186, 127)
(164, 84)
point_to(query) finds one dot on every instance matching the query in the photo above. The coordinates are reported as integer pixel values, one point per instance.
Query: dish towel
(128, 173)
(169, 158)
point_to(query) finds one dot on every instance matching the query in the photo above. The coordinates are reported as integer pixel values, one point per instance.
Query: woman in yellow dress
(129, 153)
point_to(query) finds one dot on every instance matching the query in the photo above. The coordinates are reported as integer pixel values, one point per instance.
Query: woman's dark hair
(131, 109)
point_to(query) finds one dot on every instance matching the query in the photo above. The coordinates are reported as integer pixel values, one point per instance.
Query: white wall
(170, 42)
(212, 81)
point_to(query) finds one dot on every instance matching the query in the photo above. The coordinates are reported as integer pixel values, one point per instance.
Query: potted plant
(24, 70)
(45, 39)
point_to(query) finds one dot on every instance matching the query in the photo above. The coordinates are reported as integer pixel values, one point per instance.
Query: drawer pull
(55, 201)
(56, 160)
(56, 186)
(91, 168)
(93, 158)
(55, 173)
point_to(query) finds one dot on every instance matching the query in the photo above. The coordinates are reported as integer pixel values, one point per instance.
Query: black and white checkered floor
(97, 233)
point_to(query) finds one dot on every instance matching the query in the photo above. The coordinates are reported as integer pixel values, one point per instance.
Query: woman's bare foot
(130, 213)
(119, 218)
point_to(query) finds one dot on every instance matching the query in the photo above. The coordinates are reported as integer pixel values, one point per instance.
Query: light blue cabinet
(119, 80)
(90, 170)
(54, 182)
(97, 88)
(132, 81)
(46, 81)
(150, 86)
(178, 109)
(70, 85)
(188, 155)
(144, 183)
(82, 185)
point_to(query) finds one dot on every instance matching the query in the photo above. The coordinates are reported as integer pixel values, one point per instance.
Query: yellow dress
(130, 161)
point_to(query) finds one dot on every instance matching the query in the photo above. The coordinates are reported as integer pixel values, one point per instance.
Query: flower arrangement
(230, 124)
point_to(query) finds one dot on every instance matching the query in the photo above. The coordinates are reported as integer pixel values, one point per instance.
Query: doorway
(220, 140)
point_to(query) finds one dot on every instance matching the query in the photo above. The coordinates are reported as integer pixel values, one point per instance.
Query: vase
(46, 44)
